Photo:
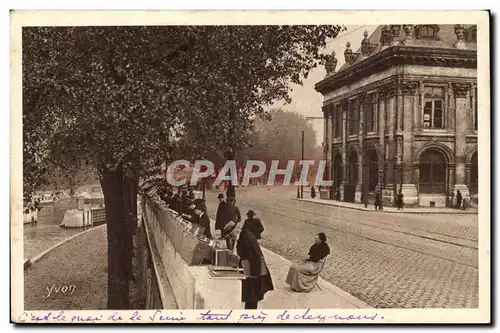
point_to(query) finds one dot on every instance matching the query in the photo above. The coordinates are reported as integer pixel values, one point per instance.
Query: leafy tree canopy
(121, 96)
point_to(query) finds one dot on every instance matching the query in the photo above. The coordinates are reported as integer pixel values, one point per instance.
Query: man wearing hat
(201, 217)
(231, 213)
(253, 224)
(190, 213)
(220, 217)
(258, 280)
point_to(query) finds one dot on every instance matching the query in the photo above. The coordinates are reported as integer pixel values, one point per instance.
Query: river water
(47, 232)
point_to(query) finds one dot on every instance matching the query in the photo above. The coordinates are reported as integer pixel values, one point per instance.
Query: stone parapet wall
(177, 253)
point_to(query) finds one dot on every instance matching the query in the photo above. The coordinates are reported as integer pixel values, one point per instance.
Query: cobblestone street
(386, 260)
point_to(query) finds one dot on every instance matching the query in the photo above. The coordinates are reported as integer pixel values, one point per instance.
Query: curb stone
(385, 211)
(32, 261)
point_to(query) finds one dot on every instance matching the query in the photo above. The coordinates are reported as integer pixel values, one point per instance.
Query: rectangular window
(371, 112)
(433, 113)
(337, 126)
(353, 117)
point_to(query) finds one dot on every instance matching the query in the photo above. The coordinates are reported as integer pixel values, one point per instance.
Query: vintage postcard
(286, 167)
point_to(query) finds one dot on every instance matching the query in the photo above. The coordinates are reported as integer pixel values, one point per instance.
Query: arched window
(432, 172)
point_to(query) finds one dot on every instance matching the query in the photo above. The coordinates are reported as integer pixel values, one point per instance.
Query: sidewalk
(74, 276)
(409, 210)
(71, 276)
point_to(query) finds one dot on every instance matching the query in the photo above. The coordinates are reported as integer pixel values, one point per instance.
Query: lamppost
(302, 158)
(324, 144)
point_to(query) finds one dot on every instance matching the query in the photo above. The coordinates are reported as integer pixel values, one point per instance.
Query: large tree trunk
(119, 217)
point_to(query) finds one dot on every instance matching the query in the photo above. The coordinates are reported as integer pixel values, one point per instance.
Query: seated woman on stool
(302, 277)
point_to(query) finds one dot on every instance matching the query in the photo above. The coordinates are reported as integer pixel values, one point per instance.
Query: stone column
(334, 118)
(361, 156)
(398, 138)
(381, 138)
(410, 195)
(343, 112)
(388, 192)
(326, 144)
(460, 92)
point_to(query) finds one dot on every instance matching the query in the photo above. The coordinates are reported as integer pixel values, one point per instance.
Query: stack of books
(225, 272)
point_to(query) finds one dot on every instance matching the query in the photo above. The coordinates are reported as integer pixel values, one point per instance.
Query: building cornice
(398, 85)
(396, 55)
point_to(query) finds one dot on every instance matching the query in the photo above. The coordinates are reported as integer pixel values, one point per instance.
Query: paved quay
(72, 276)
(406, 210)
(80, 264)
(387, 260)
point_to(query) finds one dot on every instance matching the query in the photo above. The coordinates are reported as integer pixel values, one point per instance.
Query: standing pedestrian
(399, 200)
(378, 200)
(313, 192)
(459, 200)
(201, 218)
(253, 224)
(232, 215)
(221, 215)
(258, 279)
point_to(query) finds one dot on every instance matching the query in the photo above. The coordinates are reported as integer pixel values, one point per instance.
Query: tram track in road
(372, 238)
(383, 267)
(401, 231)
(388, 236)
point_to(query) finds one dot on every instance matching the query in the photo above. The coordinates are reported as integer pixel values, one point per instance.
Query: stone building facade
(401, 113)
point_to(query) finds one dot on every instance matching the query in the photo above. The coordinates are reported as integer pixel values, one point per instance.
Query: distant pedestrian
(313, 192)
(459, 200)
(253, 224)
(399, 199)
(378, 200)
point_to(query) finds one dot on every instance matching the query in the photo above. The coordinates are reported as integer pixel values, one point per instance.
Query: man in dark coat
(201, 218)
(253, 224)
(378, 200)
(232, 214)
(169, 199)
(177, 202)
(190, 194)
(190, 213)
(459, 200)
(258, 279)
(399, 200)
(234, 211)
(220, 217)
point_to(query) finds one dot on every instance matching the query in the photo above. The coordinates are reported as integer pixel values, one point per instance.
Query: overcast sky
(308, 102)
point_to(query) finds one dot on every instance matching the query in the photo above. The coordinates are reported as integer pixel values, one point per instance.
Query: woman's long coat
(260, 282)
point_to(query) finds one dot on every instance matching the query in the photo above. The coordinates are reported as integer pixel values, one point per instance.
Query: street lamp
(307, 119)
